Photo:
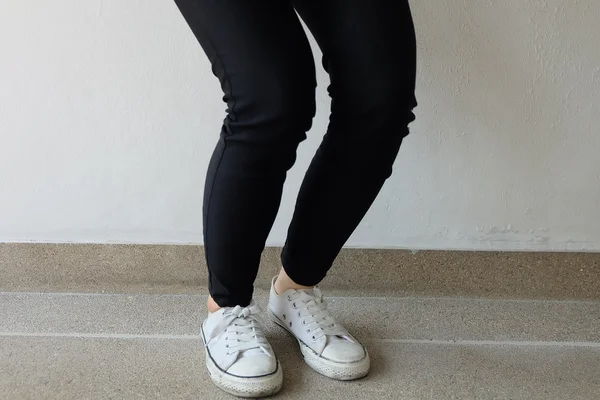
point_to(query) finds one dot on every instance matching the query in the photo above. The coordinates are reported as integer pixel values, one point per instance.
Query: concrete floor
(122, 322)
(125, 346)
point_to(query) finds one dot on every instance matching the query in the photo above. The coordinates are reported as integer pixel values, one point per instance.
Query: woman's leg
(260, 54)
(370, 53)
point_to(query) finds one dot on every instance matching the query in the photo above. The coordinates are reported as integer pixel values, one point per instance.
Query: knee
(371, 119)
(289, 107)
(382, 100)
(268, 121)
(391, 97)
(276, 109)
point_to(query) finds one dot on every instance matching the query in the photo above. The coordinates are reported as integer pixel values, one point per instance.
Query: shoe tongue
(309, 296)
(252, 352)
(339, 339)
(241, 321)
(257, 351)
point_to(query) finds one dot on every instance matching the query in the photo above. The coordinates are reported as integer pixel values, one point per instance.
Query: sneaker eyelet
(284, 317)
(298, 313)
(226, 346)
(289, 298)
(314, 338)
(294, 305)
(308, 331)
(303, 322)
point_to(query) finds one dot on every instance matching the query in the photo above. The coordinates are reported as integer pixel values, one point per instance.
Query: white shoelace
(242, 330)
(313, 312)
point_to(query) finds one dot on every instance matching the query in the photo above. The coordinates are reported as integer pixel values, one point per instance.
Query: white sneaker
(326, 345)
(238, 357)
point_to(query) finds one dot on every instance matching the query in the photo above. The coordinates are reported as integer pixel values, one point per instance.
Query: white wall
(109, 111)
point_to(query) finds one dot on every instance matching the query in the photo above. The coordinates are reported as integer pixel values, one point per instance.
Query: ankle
(284, 283)
(212, 306)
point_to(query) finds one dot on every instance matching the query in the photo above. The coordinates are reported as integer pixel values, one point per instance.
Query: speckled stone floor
(122, 322)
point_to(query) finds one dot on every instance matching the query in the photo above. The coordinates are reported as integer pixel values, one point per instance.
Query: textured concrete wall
(109, 111)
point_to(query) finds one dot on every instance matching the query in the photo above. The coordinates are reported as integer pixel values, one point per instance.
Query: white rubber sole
(331, 369)
(262, 386)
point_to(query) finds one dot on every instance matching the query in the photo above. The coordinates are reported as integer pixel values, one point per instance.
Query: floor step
(404, 319)
(98, 368)
(179, 269)
(74, 346)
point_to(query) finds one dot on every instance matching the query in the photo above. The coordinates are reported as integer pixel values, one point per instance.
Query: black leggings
(262, 58)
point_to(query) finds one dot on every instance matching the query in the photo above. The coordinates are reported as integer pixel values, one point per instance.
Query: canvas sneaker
(326, 345)
(238, 357)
